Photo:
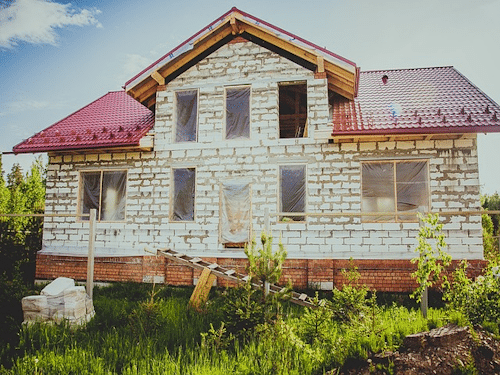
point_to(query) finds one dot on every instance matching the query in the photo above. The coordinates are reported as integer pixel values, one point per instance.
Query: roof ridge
(401, 69)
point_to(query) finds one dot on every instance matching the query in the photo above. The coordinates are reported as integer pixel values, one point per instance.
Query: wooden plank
(202, 289)
(339, 90)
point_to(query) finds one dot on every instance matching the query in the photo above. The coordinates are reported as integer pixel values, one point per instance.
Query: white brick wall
(333, 175)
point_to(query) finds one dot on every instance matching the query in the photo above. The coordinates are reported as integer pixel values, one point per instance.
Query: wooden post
(90, 260)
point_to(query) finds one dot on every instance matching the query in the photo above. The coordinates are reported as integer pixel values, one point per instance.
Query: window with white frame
(397, 189)
(238, 112)
(186, 116)
(292, 191)
(104, 190)
(183, 194)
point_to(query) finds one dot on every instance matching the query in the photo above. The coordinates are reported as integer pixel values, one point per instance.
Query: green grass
(132, 334)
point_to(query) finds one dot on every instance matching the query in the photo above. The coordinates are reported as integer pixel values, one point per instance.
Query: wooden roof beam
(341, 91)
(158, 77)
(234, 26)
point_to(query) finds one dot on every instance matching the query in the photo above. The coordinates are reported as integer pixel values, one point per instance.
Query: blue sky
(56, 57)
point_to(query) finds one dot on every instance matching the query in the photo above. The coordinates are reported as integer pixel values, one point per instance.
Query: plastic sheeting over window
(399, 187)
(184, 192)
(293, 190)
(236, 212)
(113, 196)
(106, 192)
(187, 113)
(238, 113)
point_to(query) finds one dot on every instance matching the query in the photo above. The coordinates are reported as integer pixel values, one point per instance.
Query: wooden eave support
(392, 137)
(234, 26)
(158, 77)
(320, 64)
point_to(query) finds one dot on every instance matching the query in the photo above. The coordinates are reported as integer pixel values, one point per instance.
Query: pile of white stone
(60, 300)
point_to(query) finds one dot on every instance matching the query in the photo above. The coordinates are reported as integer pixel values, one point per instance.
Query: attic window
(293, 110)
(187, 113)
(238, 112)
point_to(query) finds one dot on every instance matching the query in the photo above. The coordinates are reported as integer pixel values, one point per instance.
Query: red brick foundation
(381, 275)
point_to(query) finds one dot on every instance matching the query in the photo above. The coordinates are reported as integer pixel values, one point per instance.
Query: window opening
(238, 113)
(398, 187)
(293, 110)
(293, 191)
(184, 194)
(104, 191)
(187, 116)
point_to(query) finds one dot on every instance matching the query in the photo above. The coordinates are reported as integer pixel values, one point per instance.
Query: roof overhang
(342, 75)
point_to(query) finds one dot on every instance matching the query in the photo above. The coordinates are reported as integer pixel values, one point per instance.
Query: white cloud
(35, 21)
(133, 64)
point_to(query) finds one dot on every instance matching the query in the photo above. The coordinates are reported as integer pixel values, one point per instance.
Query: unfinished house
(245, 127)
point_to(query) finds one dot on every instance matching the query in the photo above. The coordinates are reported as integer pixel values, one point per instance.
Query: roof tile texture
(113, 120)
(426, 100)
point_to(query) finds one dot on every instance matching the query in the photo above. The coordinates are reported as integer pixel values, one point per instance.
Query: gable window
(238, 112)
(184, 193)
(293, 110)
(187, 116)
(106, 192)
(292, 190)
(400, 188)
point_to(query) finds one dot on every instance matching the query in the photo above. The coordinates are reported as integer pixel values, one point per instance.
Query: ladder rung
(195, 260)
(178, 255)
(303, 297)
(230, 272)
(246, 278)
(213, 266)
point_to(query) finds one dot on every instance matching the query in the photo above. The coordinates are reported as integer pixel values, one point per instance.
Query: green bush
(479, 300)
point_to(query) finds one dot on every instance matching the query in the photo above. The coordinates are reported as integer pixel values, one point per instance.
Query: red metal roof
(113, 120)
(426, 100)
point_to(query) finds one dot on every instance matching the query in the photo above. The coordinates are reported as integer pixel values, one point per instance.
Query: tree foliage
(433, 258)
(20, 239)
(490, 223)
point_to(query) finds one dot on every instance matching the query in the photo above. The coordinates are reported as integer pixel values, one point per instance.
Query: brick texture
(386, 275)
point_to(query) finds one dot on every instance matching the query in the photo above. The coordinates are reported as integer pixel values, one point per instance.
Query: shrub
(479, 300)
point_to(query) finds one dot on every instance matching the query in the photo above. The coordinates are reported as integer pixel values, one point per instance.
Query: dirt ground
(443, 351)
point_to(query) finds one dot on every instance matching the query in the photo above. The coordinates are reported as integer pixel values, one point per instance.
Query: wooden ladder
(230, 274)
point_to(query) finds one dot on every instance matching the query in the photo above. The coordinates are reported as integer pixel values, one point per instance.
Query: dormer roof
(342, 74)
